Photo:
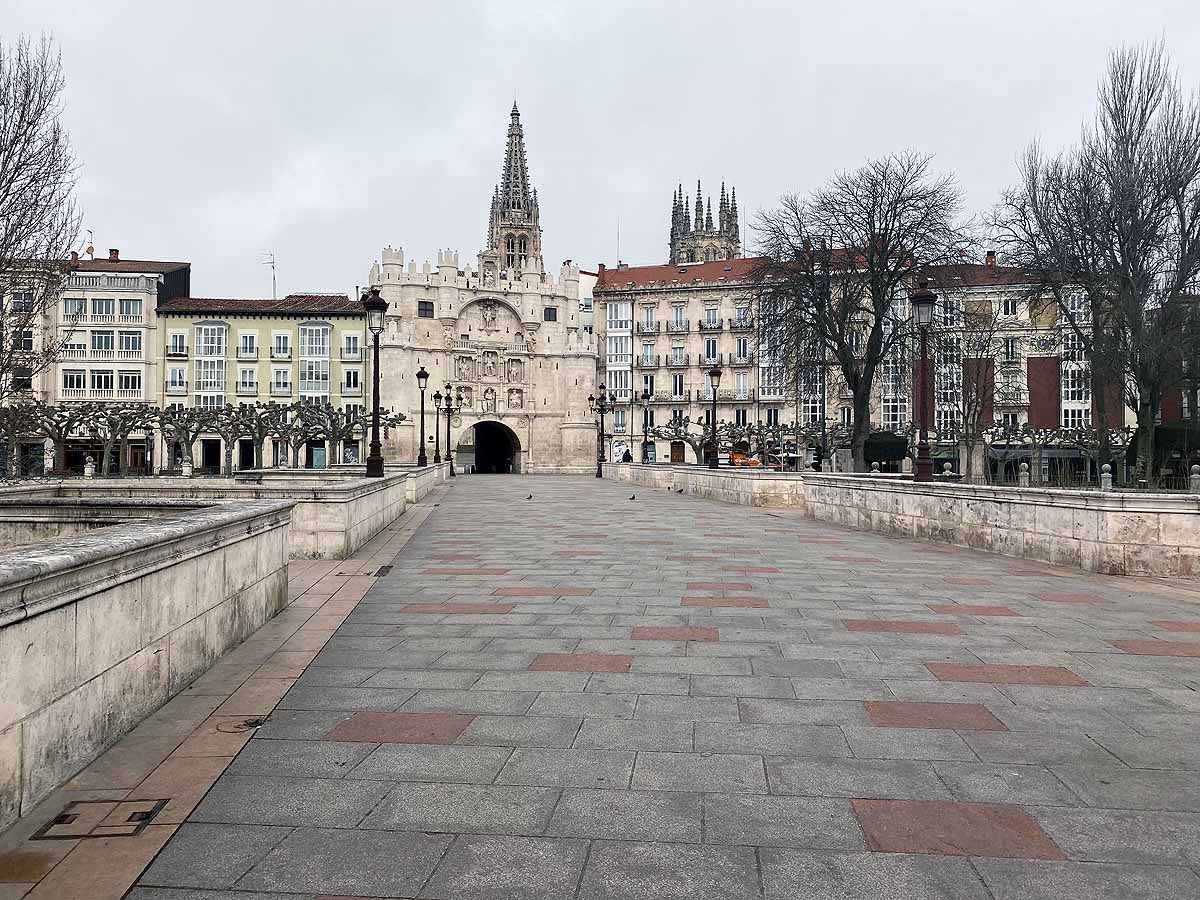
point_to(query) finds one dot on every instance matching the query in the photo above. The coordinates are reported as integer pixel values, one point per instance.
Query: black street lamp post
(645, 426)
(450, 410)
(437, 427)
(714, 377)
(376, 307)
(600, 405)
(923, 303)
(423, 381)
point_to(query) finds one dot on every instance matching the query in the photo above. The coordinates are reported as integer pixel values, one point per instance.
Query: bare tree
(183, 425)
(837, 263)
(115, 422)
(59, 423)
(1111, 229)
(38, 220)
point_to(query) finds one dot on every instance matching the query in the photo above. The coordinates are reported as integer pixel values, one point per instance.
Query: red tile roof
(635, 277)
(131, 266)
(292, 304)
(978, 275)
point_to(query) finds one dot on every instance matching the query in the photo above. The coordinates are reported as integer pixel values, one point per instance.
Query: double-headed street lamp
(603, 406)
(437, 427)
(451, 409)
(923, 303)
(714, 378)
(376, 307)
(423, 381)
(645, 426)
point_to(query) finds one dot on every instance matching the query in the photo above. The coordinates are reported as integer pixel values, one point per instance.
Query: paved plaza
(585, 695)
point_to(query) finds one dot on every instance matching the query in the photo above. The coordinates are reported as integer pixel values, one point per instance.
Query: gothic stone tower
(514, 238)
(697, 240)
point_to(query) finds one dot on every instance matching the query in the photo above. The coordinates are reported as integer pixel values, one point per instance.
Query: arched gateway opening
(497, 449)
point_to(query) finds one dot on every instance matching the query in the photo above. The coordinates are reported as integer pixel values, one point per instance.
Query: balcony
(348, 391)
(704, 325)
(247, 389)
(711, 360)
(130, 319)
(645, 361)
(102, 318)
(741, 323)
(772, 392)
(352, 354)
(102, 393)
(129, 393)
(74, 393)
(648, 327)
(103, 354)
(281, 353)
(744, 359)
(672, 397)
(314, 387)
(175, 387)
(74, 352)
(247, 353)
(1010, 397)
(281, 390)
(678, 326)
(679, 361)
(129, 354)
(177, 352)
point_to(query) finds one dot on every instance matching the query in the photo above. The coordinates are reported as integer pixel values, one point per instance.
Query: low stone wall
(29, 519)
(423, 479)
(1109, 533)
(97, 631)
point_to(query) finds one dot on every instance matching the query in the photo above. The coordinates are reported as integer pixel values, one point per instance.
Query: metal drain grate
(383, 570)
(82, 819)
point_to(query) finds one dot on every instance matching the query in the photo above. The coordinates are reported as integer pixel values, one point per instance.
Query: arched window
(522, 251)
(510, 252)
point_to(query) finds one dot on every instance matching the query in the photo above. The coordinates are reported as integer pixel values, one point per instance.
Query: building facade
(505, 335)
(304, 347)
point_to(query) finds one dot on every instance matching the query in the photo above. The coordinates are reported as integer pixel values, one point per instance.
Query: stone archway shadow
(496, 451)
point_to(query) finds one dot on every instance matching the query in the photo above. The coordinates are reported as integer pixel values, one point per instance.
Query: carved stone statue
(468, 397)
(516, 398)
(448, 335)
(489, 400)
(490, 364)
(465, 368)
(487, 312)
(516, 370)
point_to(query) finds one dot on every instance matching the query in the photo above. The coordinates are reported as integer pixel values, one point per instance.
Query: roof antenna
(270, 261)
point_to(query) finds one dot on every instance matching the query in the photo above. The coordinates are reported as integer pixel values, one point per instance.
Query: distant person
(628, 457)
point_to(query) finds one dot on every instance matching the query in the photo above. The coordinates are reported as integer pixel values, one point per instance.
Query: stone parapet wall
(1109, 533)
(99, 630)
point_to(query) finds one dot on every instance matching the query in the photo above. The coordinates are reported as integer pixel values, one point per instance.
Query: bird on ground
(633, 496)
(530, 497)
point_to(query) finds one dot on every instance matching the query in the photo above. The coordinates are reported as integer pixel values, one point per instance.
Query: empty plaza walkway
(584, 695)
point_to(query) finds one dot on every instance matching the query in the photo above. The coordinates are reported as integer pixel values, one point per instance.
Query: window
(618, 382)
(22, 378)
(281, 345)
(248, 378)
(677, 386)
(103, 306)
(129, 381)
(74, 346)
(951, 312)
(739, 416)
(647, 354)
(210, 401)
(22, 302)
(314, 376)
(74, 379)
(130, 342)
(350, 347)
(677, 315)
(620, 350)
(812, 394)
(847, 417)
(741, 381)
(210, 340)
(424, 309)
(1072, 347)
(648, 318)
(618, 420)
(281, 380)
(708, 386)
(550, 314)
(1075, 388)
(102, 380)
(710, 350)
(1010, 421)
(210, 375)
(351, 382)
(1076, 418)
(1008, 306)
(648, 385)
(894, 397)
(742, 346)
(131, 309)
(618, 316)
(1011, 351)
(710, 315)
(248, 345)
(510, 252)
(677, 415)
(177, 377)
(773, 417)
(742, 315)
(314, 341)
(102, 340)
(678, 356)
(23, 340)
(73, 306)
(177, 343)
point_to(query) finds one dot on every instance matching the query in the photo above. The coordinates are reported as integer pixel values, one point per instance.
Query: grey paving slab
(508, 868)
(771, 740)
(464, 808)
(1029, 879)
(651, 871)
(1005, 783)
(606, 734)
(1044, 749)
(691, 709)
(733, 772)
(211, 856)
(823, 875)
(415, 680)
(480, 702)
(598, 706)
(352, 698)
(1128, 836)
(432, 762)
(260, 800)
(568, 768)
(152, 893)
(305, 759)
(898, 779)
(776, 821)
(906, 743)
(628, 815)
(348, 862)
(522, 731)
(1119, 787)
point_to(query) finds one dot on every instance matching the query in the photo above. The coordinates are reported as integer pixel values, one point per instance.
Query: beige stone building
(505, 334)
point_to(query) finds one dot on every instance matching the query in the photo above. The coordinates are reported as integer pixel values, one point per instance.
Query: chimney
(74, 258)
(114, 255)
(989, 259)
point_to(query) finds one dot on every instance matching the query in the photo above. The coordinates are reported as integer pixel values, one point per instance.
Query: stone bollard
(874, 468)
(947, 470)
(1023, 475)
(186, 468)
(1106, 477)
(1194, 480)
(89, 468)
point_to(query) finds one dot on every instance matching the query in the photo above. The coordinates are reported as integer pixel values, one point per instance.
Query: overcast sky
(214, 131)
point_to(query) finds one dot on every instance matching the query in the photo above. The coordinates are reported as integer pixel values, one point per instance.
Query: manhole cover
(100, 819)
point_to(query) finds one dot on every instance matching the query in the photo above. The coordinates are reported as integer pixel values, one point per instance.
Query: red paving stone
(679, 633)
(458, 609)
(466, 571)
(900, 714)
(581, 662)
(719, 586)
(856, 559)
(720, 602)
(1060, 597)
(961, 609)
(1154, 647)
(1177, 626)
(532, 591)
(750, 570)
(947, 828)
(998, 674)
(972, 582)
(401, 728)
(878, 625)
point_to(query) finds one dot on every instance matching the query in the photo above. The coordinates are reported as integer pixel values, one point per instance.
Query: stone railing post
(1194, 480)
(874, 468)
(1023, 475)
(1106, 477)
(89, 468)
(186, 468)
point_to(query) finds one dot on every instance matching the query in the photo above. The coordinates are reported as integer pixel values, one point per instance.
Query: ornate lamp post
(376, 307)
(437, 427)
(450, 410)
(600, 405)
(923, 303)
(423, 381)
(714, 377)
(645, 426)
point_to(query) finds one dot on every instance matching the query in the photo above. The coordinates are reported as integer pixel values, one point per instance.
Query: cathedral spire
(514, 177)
(698, 219)
(514, 233)
(708, 216)
(734, 230)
